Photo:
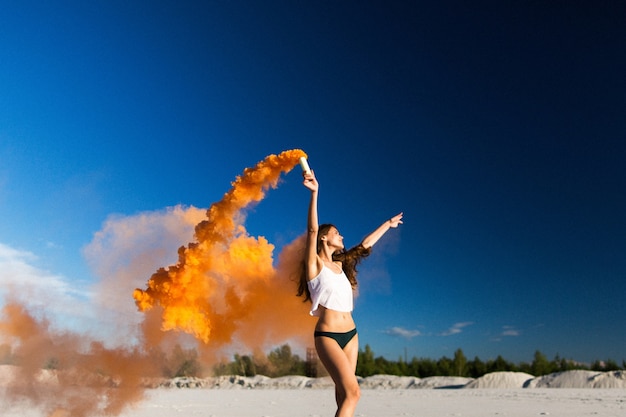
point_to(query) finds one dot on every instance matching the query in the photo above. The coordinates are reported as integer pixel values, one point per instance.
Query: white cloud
(37, 289)
(401, 332)
(510, 331)
(507, 331)
(456, 328)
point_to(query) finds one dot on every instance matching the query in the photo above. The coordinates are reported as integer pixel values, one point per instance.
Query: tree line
(459, 365)
(282, 362)
(180, 362)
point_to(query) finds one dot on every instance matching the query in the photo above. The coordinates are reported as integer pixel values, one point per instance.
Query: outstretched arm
(313, 264)
(373, 237)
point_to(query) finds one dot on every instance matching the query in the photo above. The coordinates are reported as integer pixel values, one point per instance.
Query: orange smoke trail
(224, 286)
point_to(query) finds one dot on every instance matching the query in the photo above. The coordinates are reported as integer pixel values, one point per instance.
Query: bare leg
(341, 366)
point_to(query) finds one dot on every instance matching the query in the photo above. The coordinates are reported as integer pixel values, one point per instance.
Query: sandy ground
(511, 394)
(389, 403)
(518, 402)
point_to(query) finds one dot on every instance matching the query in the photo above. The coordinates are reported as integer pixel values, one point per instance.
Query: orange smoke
(224, 289)
(224, 286)
(65, 374)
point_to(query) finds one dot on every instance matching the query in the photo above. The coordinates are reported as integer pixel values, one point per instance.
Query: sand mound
(442, 382)
(614, 379)
(501, 380)
(283, 382)
(388, 382)
(321, 383)
(580, 379)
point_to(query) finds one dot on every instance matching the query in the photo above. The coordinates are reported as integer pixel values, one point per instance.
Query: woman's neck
(326, 255)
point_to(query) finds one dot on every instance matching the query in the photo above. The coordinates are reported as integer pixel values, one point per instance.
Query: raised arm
(373, 237)
(312, 261)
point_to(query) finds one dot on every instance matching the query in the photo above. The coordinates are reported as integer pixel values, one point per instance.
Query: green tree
(602, 366)
(525, 367)
(403, 367)
(561, 364)
(540, 365)
(365, 364)
(445, 366)
(413, 367)
(385, 367)
(426, 368)
(245, 366)
(611, 365)
(459, 363)
(499, 365)
(224, 368)
(284, 362)
(476, 368)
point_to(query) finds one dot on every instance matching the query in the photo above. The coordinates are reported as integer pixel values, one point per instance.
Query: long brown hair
(349, 260)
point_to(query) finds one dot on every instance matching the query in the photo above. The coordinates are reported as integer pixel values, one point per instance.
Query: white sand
(385, 403)
(579, 394)
(516, 402)
(501, 380)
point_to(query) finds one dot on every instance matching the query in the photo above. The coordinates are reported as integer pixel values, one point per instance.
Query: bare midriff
(334, 321)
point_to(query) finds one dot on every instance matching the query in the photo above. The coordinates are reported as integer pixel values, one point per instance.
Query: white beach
(167, 402)
(573, 393)
(389, 403)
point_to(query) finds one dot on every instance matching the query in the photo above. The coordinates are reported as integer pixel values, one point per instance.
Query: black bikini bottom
(342, 339)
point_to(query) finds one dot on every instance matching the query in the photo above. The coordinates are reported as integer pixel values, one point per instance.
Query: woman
(328, 280)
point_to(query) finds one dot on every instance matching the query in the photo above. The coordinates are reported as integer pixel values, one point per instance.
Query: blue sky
(498, 129)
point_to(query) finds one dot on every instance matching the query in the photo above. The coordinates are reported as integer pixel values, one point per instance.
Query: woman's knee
(353, 392)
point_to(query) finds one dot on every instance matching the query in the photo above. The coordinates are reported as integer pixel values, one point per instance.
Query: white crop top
(330, 290)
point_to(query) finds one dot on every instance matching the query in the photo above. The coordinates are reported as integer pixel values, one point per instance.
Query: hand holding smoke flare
(224, 285)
